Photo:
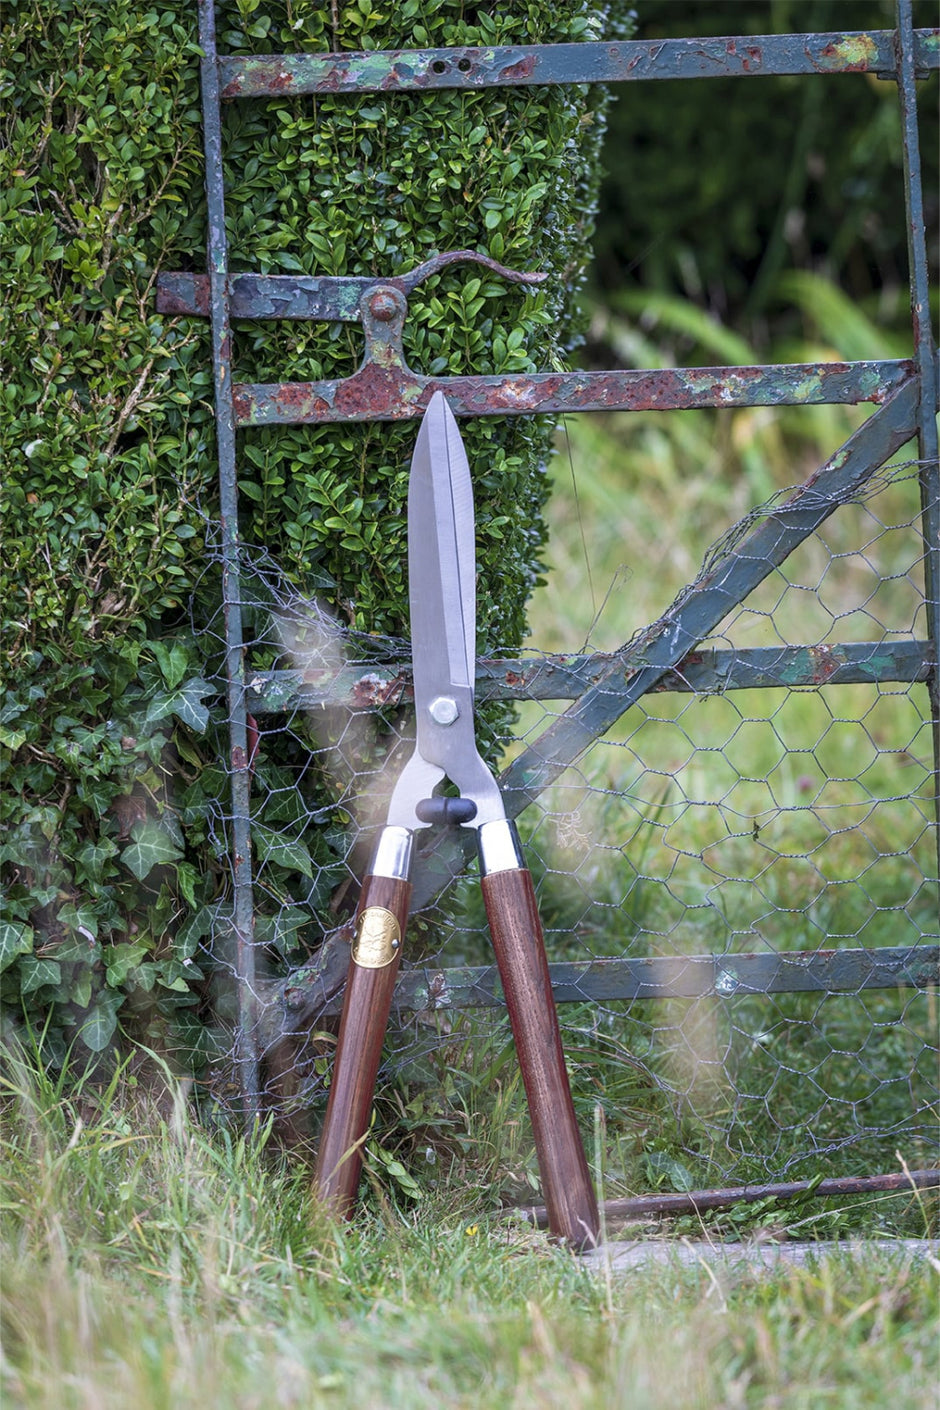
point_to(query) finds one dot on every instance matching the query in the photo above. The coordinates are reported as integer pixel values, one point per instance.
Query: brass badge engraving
(378, 937)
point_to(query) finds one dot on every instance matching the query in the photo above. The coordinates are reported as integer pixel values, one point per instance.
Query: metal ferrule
(499, 847)
(392, 855)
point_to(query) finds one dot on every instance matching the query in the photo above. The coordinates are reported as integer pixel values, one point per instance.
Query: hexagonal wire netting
(738, 881)
(738, 877)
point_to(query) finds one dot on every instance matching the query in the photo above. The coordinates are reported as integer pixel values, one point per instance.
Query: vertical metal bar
(246, 1051)
(925, 353)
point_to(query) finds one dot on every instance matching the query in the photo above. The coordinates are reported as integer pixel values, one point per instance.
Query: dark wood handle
(380, 921)
(514, 922)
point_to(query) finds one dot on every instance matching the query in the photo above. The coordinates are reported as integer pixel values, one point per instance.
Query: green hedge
(112, 860)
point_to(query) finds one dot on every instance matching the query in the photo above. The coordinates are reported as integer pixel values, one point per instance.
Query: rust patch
(281, 82)
(375, 391)
(253, 741)
(667, 681)
(400, 74)
(183, 294)
(267, 75)
(294, 399)
(373, 690)
(825, 662)
(518, 73)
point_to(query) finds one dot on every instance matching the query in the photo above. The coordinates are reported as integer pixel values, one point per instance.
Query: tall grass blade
(836, 318)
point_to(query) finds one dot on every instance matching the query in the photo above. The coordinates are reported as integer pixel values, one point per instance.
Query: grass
(148, 1262)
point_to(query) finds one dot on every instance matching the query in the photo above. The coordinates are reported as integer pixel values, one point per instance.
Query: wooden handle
(373, 968)
(514, 922)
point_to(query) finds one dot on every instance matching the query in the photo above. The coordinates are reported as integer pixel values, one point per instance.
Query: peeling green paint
(852, 51)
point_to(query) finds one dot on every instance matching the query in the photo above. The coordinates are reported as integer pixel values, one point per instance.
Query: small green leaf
(662, 1166)
(120, 960)
(194, 929)
(15, 939)
(283, 851)
(404, 1181)
(98, 1027)
(152, 846)
(81, 920)
(173, 659)
(185, 703)
(36, 973)
(179, 985)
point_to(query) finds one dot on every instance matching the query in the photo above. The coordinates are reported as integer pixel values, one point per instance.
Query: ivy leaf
(662, 1166)
(173, 658)
(178, 984)
(80, 988)
(283, 851)
(99, 1025)
(15, 939)
(152, 846)
(121, 959)
(281, 930)
(188, 706)
(187, 878)
(185, 703)
(81, 920)
(94, 857)
(194, 929)
(36, 973)
(144, 976)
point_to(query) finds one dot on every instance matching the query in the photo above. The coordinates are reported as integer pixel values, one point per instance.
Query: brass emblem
(378, 937)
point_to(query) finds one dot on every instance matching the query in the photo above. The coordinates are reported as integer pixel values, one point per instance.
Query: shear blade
(442, 591)
(441, 557)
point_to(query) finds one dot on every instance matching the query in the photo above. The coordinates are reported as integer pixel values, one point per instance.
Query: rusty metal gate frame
(665, 656)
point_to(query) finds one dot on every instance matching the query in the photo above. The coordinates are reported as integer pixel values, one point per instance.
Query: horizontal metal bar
(327, 298)
(696, 1201)
(402, 70)
(377, 393)
(661, 977)
(374, 686)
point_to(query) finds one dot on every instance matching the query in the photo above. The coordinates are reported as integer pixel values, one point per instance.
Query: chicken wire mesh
(738, 885)
(733, 826)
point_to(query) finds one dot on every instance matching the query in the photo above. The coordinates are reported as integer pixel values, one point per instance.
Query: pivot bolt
(384, 305)
(443, 710)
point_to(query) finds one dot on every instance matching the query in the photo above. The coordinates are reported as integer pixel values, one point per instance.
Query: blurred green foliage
(716, 188)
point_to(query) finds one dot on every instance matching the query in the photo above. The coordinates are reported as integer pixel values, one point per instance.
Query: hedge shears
(442, 593)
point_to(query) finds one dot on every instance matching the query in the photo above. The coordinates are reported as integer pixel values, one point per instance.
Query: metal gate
(668, 654)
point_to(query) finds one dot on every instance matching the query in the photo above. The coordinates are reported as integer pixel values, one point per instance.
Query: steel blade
(441, 557)
(442, 591)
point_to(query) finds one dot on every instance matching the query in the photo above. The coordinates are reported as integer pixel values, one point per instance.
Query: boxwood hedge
(112, 862)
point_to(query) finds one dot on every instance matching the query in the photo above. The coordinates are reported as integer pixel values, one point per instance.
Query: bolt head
(443, 710)
(384, 306)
